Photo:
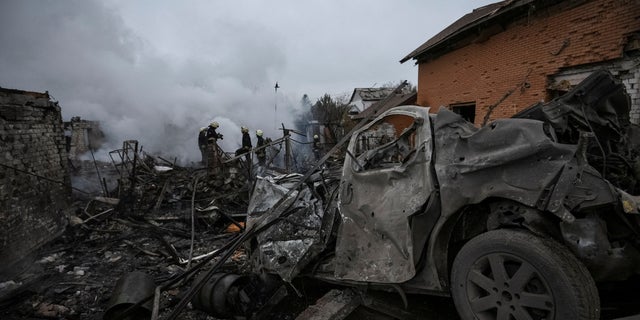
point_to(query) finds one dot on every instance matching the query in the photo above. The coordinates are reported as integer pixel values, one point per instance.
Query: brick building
(34, 176)
(512, 54)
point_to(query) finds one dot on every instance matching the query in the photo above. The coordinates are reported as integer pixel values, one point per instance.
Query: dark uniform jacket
(260, 143)
(202, 138)
(246, 141)
(211, 133)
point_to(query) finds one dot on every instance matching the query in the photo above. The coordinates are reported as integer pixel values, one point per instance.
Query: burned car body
(515, 219)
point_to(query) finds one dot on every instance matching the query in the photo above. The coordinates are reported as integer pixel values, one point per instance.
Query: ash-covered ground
(152, 223)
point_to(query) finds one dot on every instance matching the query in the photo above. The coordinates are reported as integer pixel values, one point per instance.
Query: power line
(44, 178)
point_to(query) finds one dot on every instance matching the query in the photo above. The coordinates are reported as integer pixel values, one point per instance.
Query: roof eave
(508, 7)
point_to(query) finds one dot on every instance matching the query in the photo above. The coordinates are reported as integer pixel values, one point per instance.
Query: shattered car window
(386, 144)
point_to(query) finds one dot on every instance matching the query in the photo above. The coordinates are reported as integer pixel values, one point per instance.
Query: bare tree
(408, 88)
(332, 113)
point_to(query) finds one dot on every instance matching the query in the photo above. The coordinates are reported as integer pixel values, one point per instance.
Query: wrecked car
(515, 220)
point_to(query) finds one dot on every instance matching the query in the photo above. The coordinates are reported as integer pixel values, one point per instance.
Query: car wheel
(514, 275)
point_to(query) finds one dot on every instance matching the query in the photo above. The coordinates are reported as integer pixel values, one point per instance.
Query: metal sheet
(300, 233)
(380, 190)
(510, 158)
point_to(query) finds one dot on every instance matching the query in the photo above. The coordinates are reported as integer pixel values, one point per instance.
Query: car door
(386, 179)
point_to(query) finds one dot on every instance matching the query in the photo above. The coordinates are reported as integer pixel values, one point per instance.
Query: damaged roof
(371, 94)
(379, 107)
(476, 22)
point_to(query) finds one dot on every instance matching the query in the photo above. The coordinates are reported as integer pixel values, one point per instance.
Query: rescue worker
(246, 141)
(213, 152)
(212, 135)
(260, 153)
(316, 146)
(202, 143)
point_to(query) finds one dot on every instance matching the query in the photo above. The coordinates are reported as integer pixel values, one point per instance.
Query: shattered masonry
(83, 136)
(32, 142)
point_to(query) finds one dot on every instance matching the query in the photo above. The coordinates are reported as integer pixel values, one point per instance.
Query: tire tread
(551, 253)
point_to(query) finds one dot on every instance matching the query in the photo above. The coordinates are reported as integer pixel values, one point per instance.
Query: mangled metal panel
(387, 180)
(545, 164)
(510, 158)
(299, 227)
(599, 105)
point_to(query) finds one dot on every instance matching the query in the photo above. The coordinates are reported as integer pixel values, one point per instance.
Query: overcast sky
(157, 71)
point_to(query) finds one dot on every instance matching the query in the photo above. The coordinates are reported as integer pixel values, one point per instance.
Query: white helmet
(203, 128)
(315, 136)
(214, 124)
(244, 129)
(259, 133)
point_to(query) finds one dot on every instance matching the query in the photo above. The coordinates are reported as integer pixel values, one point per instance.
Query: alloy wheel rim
(502, 286)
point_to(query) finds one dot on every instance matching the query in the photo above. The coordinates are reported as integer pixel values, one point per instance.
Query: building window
(466, 110)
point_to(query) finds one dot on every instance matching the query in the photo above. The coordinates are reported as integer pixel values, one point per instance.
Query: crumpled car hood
(509, 158)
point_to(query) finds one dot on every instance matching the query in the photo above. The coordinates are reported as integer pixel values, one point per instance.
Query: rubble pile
(161, 219)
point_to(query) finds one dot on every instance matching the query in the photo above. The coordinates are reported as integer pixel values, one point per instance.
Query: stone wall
(34, 175)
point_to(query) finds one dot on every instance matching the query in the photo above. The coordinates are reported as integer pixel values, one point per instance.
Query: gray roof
(379, 107)
(371, 94)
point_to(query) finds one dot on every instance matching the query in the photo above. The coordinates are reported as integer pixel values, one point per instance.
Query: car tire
(511, 274)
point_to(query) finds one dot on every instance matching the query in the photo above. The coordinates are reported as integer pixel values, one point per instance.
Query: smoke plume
(98, 69)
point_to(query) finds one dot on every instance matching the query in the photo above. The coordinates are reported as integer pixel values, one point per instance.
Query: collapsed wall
(82, 136)
(34, 174)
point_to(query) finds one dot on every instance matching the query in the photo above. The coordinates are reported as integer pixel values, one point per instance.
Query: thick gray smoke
(98, 69)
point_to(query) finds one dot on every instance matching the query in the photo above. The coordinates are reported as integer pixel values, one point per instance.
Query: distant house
(393, 100)
(511, 54)
(363, 98)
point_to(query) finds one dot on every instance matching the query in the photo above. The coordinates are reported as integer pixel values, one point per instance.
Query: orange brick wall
(484, 72)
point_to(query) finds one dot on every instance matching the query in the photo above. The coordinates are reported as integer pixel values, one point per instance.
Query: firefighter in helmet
(316, 146)
(212, 135)
(260, 153)
(246, 141)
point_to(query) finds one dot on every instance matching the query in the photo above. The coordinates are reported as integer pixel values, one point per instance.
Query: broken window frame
(461, 108)
(387, 155)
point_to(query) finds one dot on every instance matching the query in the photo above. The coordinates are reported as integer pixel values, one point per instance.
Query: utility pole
(275, 115)
(287, 151)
